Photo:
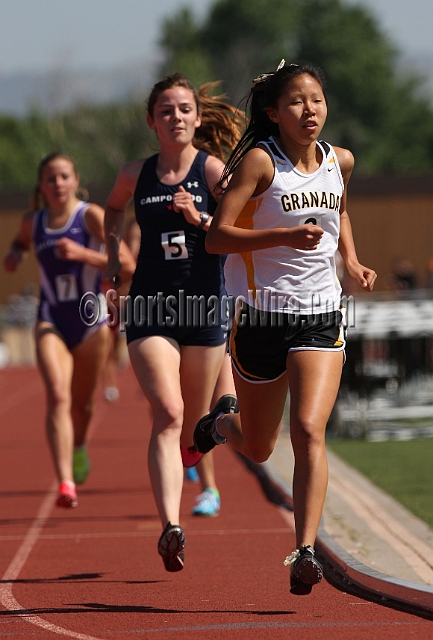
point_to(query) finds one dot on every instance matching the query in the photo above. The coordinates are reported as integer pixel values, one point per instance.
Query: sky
(83, 34)
(96, 34)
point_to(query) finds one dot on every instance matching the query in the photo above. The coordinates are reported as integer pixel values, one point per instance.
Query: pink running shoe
(67, 495)
(190, 456)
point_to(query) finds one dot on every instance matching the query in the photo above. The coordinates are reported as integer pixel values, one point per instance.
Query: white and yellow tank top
(282, 278)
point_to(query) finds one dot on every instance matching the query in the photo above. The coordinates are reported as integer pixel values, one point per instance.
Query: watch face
(204, 217)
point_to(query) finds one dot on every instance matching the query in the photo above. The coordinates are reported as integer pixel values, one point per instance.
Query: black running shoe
(171, 545)
(203, 438)
(305, 570)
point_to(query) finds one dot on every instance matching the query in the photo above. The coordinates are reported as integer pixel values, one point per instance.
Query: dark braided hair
(222, 124)
(265, 93)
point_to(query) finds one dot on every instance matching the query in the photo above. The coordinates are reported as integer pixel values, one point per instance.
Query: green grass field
(402, 469)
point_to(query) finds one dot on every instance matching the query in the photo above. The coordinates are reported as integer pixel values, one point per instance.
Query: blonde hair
(38, 201)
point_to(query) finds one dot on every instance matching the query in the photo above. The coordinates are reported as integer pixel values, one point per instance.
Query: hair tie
(264, 76)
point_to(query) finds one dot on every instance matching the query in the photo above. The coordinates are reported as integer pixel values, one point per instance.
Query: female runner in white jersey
(281, 218)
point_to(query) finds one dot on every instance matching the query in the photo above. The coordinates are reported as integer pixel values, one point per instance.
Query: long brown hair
(222, 124)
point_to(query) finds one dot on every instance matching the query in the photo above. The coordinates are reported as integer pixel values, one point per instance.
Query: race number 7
(66, 287)
(174, 246)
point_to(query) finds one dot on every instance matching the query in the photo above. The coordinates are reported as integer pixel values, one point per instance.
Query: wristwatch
(204, 217)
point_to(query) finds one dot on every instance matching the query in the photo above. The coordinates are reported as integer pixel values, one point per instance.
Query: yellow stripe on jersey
(245, 221)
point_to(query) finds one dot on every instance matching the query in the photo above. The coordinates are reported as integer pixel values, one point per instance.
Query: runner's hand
(305, 237)
(182, 203)
(67, 249)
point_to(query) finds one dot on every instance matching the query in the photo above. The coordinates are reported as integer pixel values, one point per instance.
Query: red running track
(94, 572)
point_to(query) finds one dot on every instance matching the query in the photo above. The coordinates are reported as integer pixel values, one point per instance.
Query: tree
(22, 143)
(374, 111)
(246, 37)
(99, 138)
(181, 41)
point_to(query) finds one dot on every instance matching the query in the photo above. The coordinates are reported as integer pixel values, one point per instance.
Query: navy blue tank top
(172, 254)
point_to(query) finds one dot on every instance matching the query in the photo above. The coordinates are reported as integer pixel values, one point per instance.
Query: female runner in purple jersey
(176, 366)
(68, 237)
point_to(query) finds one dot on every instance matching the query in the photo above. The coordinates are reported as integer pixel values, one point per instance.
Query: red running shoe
(190, 456)
(67, 495)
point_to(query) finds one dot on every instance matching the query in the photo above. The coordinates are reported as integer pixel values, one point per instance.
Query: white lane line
(153, 532)
(34, 534)
(277, 625)
(12, 572)
(14, 569)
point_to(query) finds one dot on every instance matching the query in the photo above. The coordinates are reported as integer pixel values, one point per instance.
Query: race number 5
(174, 246)
(66, 287)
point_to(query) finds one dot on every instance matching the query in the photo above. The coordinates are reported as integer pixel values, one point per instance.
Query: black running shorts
(260, 340)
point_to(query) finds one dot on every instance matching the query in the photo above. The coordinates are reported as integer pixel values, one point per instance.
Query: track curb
(353, 572)
(418, 596)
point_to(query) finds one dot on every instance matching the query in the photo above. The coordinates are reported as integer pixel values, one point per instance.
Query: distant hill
(59, 89)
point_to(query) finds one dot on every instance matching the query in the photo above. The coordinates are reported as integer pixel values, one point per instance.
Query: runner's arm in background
(118, 200)
(21, 244)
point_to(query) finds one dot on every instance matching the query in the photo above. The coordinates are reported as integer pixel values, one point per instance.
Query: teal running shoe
(191, 474)
(208, 504)
(81, 464)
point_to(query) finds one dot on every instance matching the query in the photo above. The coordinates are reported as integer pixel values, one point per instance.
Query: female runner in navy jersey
(281, 219)
(176, 358)
(68, 237)
(208, 501)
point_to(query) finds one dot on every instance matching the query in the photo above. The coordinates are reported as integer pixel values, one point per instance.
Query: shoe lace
(292, 557)
(298, 552)
(206, 498)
